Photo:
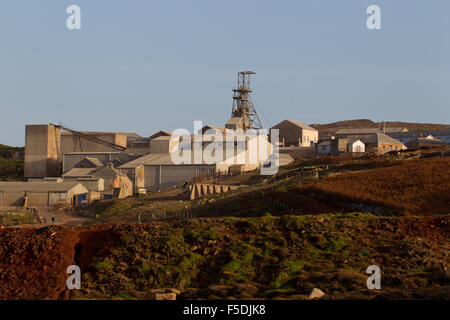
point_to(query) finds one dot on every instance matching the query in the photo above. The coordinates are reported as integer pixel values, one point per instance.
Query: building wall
(71, 143)
(93, 185)
(163, 145)
(386, 147)
(11, 199)
(76, 190)
(37, 199)
(172, 175)
(139, 148)
(71, 159)
(338, 146)
(42, 151)
(293, 135)
(57, 198)
(125, 185)
(381, 148)
(309, 138)
(354, 147)
(324, 149)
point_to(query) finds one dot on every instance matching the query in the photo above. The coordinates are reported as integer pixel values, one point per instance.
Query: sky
(142, 66)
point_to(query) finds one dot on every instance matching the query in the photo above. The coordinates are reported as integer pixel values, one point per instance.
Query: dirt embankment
(267, 257)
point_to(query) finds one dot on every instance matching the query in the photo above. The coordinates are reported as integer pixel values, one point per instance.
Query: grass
(109, 208)
(104, 265)
(16, 218)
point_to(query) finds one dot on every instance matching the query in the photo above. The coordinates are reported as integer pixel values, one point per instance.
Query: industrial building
(158, 171)
(340, 146)
(46, 145)
(361, 133)
(118, 164)
(42, 194)
(115, 184)
(42, 151)
(381, 143)
(419, 142)
(296, 133)
(73, 159)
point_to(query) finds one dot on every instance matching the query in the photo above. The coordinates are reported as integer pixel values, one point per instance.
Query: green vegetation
(104, 265)
(109, 207)
(16, 218)
(11, 168)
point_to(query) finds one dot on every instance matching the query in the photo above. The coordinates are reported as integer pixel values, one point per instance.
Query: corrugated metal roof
(301, 125)
(298, 124)
(94, 161)
(381, 138)
(43, 186)
(368, 130)
(162, 159)
(78, 172)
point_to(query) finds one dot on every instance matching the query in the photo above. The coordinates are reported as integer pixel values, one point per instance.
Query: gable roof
(78, 172)
(299, 124)
(43, 186)
(94, 161)
(216, 128)
(352, 141)
(160, 133)
(381, 138)
(369, 130)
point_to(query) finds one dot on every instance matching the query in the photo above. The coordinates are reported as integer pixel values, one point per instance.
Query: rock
(173, 290)
(165, 296)
(316, 293)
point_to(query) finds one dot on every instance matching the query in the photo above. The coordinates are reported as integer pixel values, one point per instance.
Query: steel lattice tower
(242, 102)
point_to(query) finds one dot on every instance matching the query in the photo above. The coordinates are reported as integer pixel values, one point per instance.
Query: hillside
(11, 163)
(278, 238)
(264, 258)
(330, 128)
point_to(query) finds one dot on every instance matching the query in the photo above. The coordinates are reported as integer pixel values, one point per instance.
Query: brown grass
(417, 187)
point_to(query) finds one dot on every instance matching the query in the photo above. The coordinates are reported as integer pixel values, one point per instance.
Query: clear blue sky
(141, 65)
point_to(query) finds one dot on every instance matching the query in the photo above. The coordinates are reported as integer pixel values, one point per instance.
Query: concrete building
(360, 133)
(427, 142)
(140, 146)
(71, 143)
(356, 146)
(338, 146)
(102, 178)
(381, 143)
(70, 160)
(160, 133)
(163, 144)
(157, 171)
(324, 147)
(296, 133)
(42, 194)
(441, 134)
(42, 151)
